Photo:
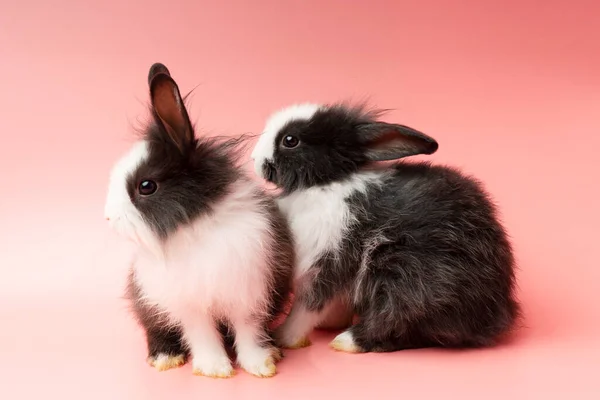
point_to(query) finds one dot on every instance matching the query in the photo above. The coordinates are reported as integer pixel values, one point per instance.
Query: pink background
(511, 89)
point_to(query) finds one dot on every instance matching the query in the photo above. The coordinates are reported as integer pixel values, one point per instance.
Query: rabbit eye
(290, 141)
(147, 187)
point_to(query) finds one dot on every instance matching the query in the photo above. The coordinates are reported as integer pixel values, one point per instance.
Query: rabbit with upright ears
(414, 250)
(215, 255)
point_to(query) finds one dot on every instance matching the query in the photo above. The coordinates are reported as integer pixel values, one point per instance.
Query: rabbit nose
(270, 172)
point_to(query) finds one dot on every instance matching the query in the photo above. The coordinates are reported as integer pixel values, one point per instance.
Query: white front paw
(259, 361)
(213, 367)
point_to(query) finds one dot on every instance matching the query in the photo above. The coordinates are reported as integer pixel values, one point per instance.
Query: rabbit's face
(310, 145)
(307, 145)
(154, 190)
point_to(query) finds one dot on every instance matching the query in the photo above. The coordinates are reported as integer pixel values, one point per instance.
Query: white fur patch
(251, 355)
(345, 342)
(206, 364)
(209, 355)
(218, 263)
(265, 147)
(320, 216)
(122, 215)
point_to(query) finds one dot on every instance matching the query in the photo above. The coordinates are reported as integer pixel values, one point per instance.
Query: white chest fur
(217, 264)
(320, 216)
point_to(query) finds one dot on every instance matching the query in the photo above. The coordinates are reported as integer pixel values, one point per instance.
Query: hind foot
(345, 342)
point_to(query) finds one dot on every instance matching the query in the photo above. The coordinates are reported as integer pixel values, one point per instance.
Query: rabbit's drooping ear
(391, 141)
(169, 108)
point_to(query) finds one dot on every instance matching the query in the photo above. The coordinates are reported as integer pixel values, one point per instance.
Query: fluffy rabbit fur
(416, 251)
(215, 254)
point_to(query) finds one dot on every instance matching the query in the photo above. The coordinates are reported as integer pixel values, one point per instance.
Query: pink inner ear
(388, 137)
(392, 140)
(167, 103)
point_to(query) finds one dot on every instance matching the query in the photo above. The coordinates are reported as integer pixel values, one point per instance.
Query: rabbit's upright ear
(168, 107)
(385, 141)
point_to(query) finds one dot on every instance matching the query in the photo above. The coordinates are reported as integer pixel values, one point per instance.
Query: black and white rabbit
(215, 254)
(414, 250)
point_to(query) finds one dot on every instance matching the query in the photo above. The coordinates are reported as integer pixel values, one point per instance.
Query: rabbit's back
(432, 242)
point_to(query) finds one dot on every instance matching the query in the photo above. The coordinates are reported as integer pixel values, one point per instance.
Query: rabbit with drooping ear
(415, 250)
(215, 254)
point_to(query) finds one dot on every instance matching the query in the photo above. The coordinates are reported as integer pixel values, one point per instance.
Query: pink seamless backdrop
(511, 89)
